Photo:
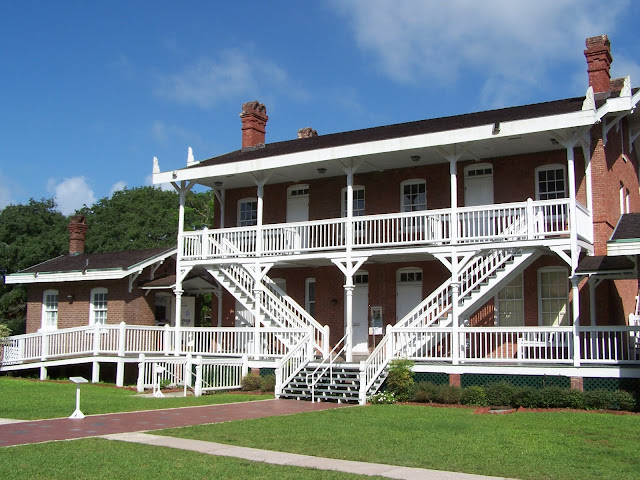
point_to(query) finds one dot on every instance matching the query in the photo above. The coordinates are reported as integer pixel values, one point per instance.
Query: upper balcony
(495, 225)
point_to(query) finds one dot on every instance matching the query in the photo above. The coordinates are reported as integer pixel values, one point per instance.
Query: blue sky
(92, 91)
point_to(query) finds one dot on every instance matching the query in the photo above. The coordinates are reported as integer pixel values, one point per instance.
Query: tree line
(131, 219)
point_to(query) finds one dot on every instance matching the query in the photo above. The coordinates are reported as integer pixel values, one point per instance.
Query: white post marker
(78, 381)
(156, 380)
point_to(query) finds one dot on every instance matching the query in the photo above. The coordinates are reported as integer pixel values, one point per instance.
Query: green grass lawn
(31, 399)
(526, 445)
(96, 458)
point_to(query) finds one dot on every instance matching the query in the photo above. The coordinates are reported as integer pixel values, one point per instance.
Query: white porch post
(257, 281)
(573, 235)
(453, 172)
(348, 286)
(455, 321)
(576, 320)
(218, 293)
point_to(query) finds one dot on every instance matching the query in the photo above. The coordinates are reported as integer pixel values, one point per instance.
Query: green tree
(29, 234)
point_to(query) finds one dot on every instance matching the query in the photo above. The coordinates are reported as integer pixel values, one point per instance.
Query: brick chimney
(598, 54)
(77, 231)
(254, 120)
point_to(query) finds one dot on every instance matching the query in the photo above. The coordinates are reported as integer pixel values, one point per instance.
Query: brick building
(475, 220)
(81, 289)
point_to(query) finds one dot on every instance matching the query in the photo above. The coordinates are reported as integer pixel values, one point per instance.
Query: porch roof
(605, 265)
(91, 266)
(625, 239)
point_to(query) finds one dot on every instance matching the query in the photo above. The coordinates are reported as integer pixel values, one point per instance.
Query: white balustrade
(610, 344)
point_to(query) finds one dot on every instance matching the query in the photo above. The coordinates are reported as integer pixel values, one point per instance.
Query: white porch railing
(487, 223)
(611, 344)
(127, 340)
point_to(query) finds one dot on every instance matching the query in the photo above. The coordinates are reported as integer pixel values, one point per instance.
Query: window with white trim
(98, 306)
(624, 199)
(510, 304)
(551, 182)
(553, 296)
(247, 212)
(409, 276)
(413, 195)
(361, 278)
(50, 310)
(358, 201)
(310, 296)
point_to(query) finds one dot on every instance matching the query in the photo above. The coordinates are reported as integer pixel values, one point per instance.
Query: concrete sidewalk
(295, 460)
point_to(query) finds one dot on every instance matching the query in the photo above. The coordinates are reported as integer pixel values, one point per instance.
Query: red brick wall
(133, 308)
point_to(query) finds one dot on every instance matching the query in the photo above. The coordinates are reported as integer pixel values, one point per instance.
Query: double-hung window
(413, 195)
(551, 182)
(98, 312)
(553, 296)
(247, 212)
(50, 310)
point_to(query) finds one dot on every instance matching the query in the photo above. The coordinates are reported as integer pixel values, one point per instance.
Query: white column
(575, 303)
(222, 205)
(218, 294)
(348, 293)
(257, 278)
(349, 287)
(573, 235)
(453, 173)
(593, 283)
(455, 325)
(182, 191)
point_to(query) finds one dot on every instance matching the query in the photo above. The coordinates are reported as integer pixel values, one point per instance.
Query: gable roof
(91, 266)
(625, 239)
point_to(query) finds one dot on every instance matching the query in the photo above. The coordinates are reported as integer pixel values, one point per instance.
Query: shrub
(574, 399)
(499, 394)
(400, 379)
(251, 382)
(622, 400)
(598, 399)
(554, 397)
(382, 398)
(527, 397)
(423, 392)
(474, 395)
(268, 383)
(448, 394)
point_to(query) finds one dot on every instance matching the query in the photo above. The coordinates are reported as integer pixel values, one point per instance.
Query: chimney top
(254, 120)
(598, 55)
(77, 232)
(307, 132)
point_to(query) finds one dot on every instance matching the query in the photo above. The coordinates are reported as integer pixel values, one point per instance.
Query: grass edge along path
(26, 399)
(526, 445)
(96, 458)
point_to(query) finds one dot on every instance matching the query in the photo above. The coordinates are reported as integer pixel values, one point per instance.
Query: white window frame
(409, 271)
(343, 201)
(553, 166)
(310, 303)
(517, 300)
(413, 181)
(50, 308)
(301, 190)
(94, 311)
(244, 223)
(564, 273)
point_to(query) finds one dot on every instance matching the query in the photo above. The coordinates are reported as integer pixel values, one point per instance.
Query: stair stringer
(503, 276)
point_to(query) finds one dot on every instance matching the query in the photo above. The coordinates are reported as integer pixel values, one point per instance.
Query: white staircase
(278, 309)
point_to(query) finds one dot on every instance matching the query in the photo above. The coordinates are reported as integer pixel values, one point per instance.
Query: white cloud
(117, 186)
(71, 193)
(499, 41)
(232, 73)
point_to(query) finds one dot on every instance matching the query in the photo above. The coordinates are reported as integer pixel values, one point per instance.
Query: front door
(408, 291)
(361, 313)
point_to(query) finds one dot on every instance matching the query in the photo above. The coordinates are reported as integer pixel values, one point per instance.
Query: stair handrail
(294, 361)
(375, 363)
(329, 360)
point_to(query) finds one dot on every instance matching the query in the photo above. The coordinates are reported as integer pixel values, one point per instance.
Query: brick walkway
(95, 425)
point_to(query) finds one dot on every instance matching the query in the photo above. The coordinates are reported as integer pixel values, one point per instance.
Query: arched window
(50, 310)
(98, 306)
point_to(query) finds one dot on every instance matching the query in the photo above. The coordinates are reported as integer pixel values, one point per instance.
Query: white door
(408, 292)
(298, 203)
(361, 319)
(478, 190)
(478, 185)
